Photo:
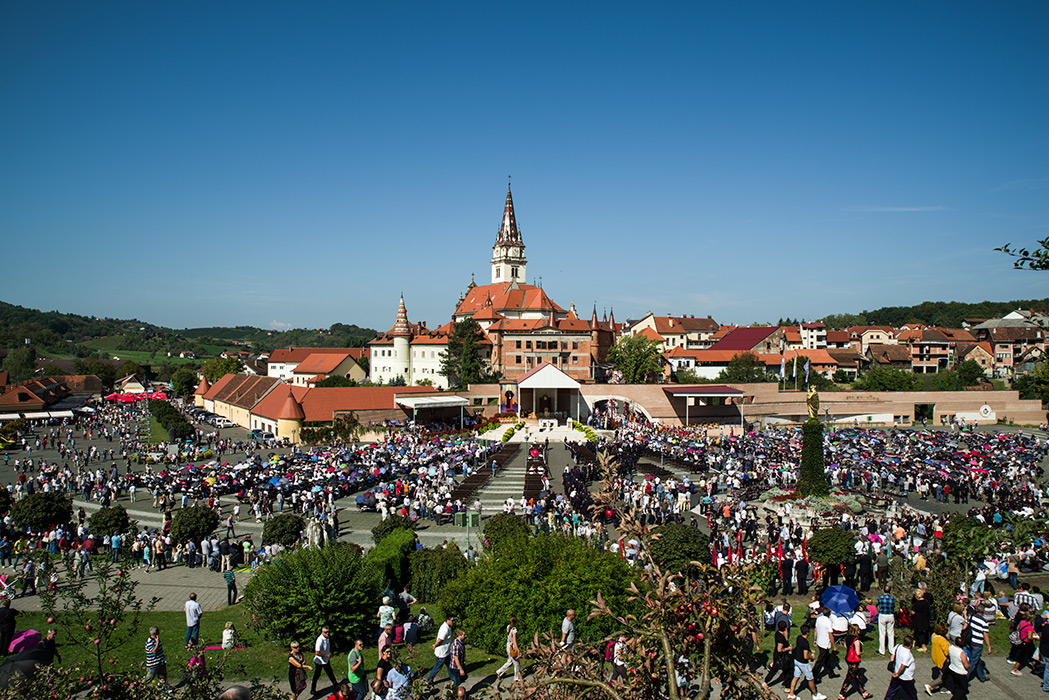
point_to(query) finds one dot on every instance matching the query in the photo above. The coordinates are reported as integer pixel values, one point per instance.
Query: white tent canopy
(417, 402)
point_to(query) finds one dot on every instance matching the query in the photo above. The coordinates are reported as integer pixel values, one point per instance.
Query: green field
(262, 659)
(157, 432)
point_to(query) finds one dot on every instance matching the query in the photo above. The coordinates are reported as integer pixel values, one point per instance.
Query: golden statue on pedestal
(813, 402)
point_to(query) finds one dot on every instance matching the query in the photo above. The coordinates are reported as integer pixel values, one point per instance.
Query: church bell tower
(508, 259)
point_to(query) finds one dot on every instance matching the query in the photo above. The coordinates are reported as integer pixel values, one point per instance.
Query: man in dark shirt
(803, 665)
(7, 626)
(788, 575)
(49, 643)
(802, 571)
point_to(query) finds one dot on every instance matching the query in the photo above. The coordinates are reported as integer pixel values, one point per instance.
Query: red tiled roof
(300, 354)
(507, 296)
(319, 404)
(282, 403)
(322, 362)
(684, 324)
(745, 338)
(202, 388)
(837, 337)
(651, 335)
(220, 385)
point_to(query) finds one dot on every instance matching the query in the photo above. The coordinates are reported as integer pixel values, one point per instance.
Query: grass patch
(263, 659)
(157, 432)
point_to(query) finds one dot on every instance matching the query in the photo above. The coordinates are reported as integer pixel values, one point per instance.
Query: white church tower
(401, 332)
(508, 259)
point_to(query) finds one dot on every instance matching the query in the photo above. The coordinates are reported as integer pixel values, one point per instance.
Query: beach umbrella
(841, 599)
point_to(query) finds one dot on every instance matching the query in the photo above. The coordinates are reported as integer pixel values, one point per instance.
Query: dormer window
(513, 271)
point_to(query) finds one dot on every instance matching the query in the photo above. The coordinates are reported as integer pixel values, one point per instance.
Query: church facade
(523, 326)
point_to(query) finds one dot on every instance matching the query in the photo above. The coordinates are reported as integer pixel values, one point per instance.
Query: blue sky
(300, 164)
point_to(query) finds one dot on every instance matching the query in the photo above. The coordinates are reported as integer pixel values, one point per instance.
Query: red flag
(804, 547)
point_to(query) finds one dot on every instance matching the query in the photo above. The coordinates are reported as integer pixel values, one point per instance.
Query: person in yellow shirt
(939, 653)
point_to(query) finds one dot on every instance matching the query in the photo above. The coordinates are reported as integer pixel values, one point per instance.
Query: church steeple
(508, 260)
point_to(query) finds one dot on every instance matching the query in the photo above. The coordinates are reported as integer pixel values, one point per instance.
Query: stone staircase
(509, 482)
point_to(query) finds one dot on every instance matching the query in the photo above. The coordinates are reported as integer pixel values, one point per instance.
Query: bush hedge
(392, 522)
(193, 523)
(41, 511)
(502, 528)
(302, 590)
(538, 580)
(390, 559)
(812, 475)
(433, 568)
(284, 529)
(110, 521)
(173, 421)
(677, 546)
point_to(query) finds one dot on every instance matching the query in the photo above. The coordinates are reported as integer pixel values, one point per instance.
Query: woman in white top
(228, 635)
(513, 652)
(959, 670)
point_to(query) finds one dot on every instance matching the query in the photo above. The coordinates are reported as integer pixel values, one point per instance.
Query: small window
(528, 345)
(517, 360)
(518, 344)
(575, 344)
(498, 270)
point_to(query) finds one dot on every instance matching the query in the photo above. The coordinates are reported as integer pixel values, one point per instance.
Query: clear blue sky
(300, 164)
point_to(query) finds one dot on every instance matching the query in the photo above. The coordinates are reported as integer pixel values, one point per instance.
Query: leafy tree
(41, 511)
(840, 376)
(812, 475)
(336, 381)
(302, 590)
(947, 380)
(20, 364)
(970, 373)
(399, 380)
(832, 546)
(100, 368)
(689, 376)
(433, 568)
(888, 379)
(101, 617)
(1036, 259)
(842, 321)
(1036, 384)
(744, 368)
(504, 528)
(537, 580)
(637, 357)
(193, 523)
(346, 427)
(284, 529)
(129, 367)
(5, 500)
(110, 521)
(184, 381)
(675, 546)
(461, 363)
(218, 368)
(390, 558)
(386, 527)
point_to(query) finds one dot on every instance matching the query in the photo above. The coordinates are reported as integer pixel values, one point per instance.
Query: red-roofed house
(284, 361)
(320, 365)
(764, 340)
(686, 332)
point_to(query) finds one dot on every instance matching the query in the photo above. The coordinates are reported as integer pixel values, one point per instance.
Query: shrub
(432, 570)
(41, 511)
(283, 529)
(832, 545)
(390, 558)
(5, 500)
(302, 590)
(392, 522)
(110, 521)
(503, 528)
(171, 419)
(812, 475)
(537, 581)
(677, 546)
(193, 523)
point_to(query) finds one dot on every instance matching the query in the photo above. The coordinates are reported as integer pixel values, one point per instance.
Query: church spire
(401, 325)
(508, 232)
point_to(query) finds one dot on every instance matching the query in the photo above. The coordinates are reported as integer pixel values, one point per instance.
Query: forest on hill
(947, 314)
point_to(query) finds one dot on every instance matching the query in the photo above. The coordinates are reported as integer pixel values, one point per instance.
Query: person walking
(781, 656)
(958, 669)
(568, 630)
(231, 586)
(978, 638)
(357, 677)
(803, 665)
(1022, 639)
(903, 671)
(193, 615)
(886, 605)
(619, 660)
(442, 648)
(297, 669)
(322, 659)
(458, 654)
(921, 612)
(940, 655)
(824, 644)
(853, 656)
(513, 652)
(156, 662)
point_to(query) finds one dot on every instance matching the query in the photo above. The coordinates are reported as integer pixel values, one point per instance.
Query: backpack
(609, 649)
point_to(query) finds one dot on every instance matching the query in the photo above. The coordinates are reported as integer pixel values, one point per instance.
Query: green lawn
(157, 432)
(265, 660)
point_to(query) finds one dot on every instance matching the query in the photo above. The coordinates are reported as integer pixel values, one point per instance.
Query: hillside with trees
(947, 314)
